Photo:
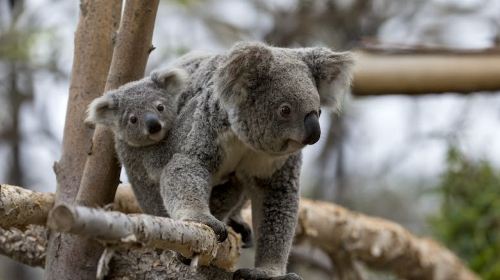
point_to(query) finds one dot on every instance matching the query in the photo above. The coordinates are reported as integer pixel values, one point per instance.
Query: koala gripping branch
(116, 229)
(341, 233)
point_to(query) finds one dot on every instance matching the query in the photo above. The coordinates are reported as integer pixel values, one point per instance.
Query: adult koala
(242, 122)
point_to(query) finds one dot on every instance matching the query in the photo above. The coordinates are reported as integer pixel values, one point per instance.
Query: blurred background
(429, 162)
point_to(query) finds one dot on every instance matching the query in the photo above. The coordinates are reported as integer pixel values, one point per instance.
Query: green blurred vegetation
(469, 220)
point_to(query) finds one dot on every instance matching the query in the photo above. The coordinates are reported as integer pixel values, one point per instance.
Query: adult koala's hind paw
(243, 229)
(255, 274)
(217, 226)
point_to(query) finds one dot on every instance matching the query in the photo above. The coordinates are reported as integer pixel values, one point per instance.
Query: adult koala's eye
(160, 107)
(285, 110)
(133, 119)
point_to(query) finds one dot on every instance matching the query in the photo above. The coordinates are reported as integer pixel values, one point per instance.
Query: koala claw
(182, 259)
(217, 226)
(244, 230)
(255, 274)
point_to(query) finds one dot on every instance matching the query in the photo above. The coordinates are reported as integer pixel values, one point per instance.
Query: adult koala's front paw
(217, 226)
(256, 274)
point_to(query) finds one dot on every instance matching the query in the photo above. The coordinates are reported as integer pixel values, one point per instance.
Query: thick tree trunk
(101, 172)
(133, 45)
(96, 29)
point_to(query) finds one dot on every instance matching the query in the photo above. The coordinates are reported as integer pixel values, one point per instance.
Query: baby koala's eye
(133, 119)
(160, 107)
(285, 110)
(319, 112)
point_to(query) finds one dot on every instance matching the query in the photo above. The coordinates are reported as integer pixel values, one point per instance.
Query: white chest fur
(240, 159)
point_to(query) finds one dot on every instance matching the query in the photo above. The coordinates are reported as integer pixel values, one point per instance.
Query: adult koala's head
(140, 113)
(273, 95)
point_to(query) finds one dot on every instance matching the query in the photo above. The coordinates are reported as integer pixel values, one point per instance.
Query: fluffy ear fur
(331, 72)
(172, 80)
(102, 110)
(246, 64)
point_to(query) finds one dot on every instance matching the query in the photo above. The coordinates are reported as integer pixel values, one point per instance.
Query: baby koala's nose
(152, 123)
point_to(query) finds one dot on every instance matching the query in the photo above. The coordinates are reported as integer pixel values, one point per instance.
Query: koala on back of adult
(243, 119)
(140, 114)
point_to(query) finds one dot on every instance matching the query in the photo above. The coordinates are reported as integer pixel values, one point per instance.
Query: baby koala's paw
(217, 226)
(256, 274)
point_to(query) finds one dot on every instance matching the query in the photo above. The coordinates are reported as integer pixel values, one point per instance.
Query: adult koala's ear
(102, 110)
(331, 71)
(246, 65)
(172, 80)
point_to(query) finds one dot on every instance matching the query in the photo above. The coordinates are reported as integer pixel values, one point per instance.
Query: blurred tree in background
(469, 220)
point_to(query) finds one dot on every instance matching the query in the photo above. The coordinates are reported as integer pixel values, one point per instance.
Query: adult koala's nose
(313, 131)
(153, 124)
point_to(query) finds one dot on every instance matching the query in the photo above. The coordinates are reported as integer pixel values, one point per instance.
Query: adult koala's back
(243, 120)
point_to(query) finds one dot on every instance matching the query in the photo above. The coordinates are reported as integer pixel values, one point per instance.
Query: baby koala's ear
(172, 80)
(102, 110)
(332, 73)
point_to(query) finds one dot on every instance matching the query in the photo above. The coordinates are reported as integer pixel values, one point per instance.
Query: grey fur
(242, 120)
(136, 148)
(231, 140)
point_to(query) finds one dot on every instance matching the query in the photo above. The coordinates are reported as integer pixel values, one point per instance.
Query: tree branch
(28, 247)
(102, 171)
(93, 51)
(192, 240)
(21, 207)
(133, 42)
(378, 243)
(424, 73)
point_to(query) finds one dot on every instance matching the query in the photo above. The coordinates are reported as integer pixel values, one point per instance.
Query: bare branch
(118, 229)
(20, 207)
(375, 73)
(27, 247)
(378, 243)
(93, 51)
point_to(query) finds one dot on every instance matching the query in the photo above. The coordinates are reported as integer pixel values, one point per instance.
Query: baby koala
(141, 114)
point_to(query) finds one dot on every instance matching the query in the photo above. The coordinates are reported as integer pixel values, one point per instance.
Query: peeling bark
(117, 229)
(28, 247)
(21, 207)
(378, 243)
(340, 233)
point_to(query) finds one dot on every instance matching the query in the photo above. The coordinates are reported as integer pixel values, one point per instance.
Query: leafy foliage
(469, 222)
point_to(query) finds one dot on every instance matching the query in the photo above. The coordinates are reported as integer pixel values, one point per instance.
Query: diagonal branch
(378, 243)
(93, 51)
